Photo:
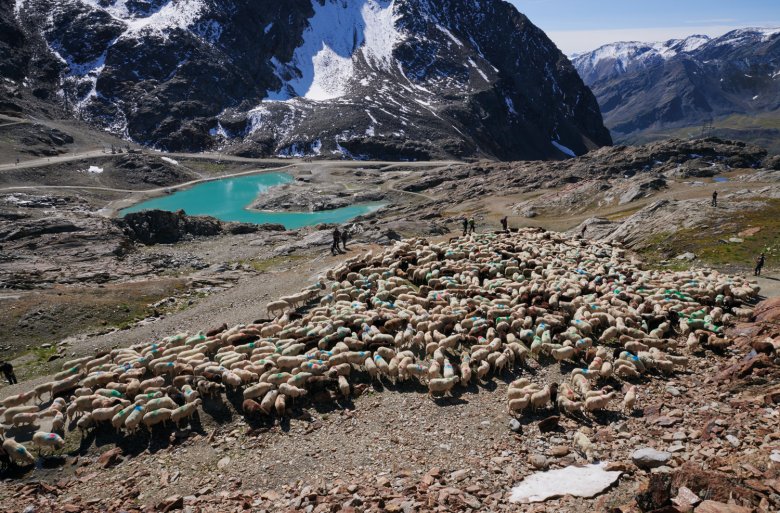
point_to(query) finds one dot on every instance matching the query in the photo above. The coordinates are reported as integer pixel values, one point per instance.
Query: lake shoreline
(230, 199)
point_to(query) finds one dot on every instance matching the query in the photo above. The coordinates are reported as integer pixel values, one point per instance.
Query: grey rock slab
(647, 458)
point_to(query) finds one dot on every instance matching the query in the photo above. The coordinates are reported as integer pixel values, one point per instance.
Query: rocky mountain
(401, 79)
(653, 88)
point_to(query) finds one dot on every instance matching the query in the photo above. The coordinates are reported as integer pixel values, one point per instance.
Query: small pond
(228, 200)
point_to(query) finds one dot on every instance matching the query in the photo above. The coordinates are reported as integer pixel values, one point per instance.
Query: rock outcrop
(163, 227)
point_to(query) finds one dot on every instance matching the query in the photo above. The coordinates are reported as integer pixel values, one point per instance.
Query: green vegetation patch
(265, 265)
(710, 243)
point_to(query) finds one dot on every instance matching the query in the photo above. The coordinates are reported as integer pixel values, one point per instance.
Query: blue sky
(581, 25)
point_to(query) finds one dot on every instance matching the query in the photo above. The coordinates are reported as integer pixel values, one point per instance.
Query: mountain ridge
(648, 89)
(403, 79)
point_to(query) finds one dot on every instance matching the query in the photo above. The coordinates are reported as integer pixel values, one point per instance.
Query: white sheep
(41, 439)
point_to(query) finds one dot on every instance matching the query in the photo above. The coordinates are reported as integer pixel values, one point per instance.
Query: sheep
(293, 391)
(630, 399)
(584, 445)
(106, 414)
(185, 412)
(280, 405)
(17, 452)
(269, 401)
(567, 405)
(134, 418)
(442, 385)
(18, 399)
(276, 308)
(85, 423)
(9, 413)
(152, 418)
(25, 419)
(598, 402)
(517, 405)
(58, 422)
(541, 398)
(41, 439)
(564, 353)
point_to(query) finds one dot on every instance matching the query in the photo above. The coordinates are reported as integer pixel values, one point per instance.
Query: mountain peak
(655, 87)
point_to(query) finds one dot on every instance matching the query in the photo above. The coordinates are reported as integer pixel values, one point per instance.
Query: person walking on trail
(471, 225)
(715, 198)
(334, 249)
(584, 228)
(344, 238)
(8, 371)
(759, 264)
(504, 224)
(465, 226)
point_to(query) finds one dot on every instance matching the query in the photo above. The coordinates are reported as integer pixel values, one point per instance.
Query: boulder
(768, 310)
(647, 458)
(162, 227)
(720, 507)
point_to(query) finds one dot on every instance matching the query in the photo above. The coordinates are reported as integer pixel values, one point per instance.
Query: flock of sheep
(443, 315)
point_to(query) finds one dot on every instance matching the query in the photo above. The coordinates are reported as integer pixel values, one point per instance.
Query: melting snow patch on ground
(587, 481)
(563, 148)
(170, 160)
(94, 170)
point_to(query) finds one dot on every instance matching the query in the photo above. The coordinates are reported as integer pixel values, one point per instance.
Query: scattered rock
(720, 507)
(656, 492)
(549, 424)
(171, 503)
(648, 458)
(110, 457)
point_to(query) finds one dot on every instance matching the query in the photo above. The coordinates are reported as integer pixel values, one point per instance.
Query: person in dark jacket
(504, 224)
(715, 198)
(465, 226)
(336, 241)
(759, 264)
(8, 371)
(344, 238)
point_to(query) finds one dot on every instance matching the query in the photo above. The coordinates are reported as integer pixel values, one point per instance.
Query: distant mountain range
(389, 79)
(729, 86)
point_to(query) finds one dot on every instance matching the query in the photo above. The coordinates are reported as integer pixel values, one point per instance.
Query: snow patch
(563, 149)
(450, 35)
(474, 65)
(587, 481)
(340, 30)
(173, 14)
(170, 160)
(94, 170)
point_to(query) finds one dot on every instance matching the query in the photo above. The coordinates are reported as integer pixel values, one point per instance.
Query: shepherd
(336, 241)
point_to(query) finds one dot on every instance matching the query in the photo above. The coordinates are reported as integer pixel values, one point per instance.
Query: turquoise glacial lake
(229, 199)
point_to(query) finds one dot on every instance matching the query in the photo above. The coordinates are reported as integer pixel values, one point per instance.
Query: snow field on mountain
(324, 65)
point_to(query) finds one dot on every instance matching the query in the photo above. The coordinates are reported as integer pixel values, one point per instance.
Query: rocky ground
(705, 438)
(75, 281)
